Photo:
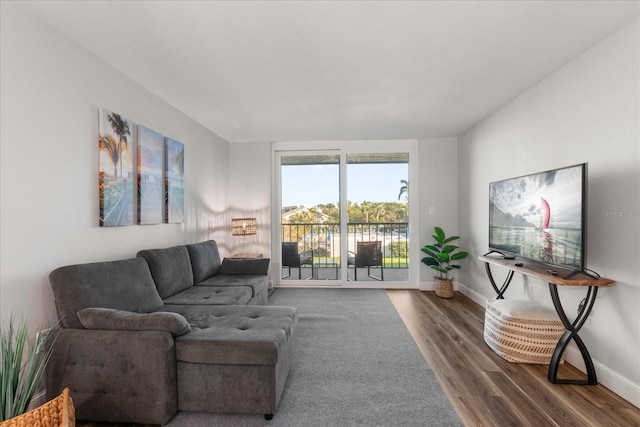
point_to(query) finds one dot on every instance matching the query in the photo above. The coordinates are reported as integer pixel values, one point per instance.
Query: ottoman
(236, 359)
(522, 331)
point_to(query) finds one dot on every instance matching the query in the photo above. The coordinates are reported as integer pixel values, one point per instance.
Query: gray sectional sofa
(171, 329)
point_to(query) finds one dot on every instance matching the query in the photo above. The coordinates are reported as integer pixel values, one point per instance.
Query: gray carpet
(355, 365)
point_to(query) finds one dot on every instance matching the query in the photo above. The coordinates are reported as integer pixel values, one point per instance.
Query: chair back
(368, 254)
(290, 256)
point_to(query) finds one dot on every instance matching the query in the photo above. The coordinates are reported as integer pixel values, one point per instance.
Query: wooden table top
(245, 255)
(541, 271)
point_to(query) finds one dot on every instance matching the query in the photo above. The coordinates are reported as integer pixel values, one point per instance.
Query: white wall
(250, 194)
(51, 90)
(588, 111)
(438, 165)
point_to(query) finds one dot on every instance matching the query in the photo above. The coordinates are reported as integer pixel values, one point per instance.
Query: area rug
(355, 364)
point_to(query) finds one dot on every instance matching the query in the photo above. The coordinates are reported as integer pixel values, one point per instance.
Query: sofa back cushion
(170, 268)
(205, 260)
(122, 285)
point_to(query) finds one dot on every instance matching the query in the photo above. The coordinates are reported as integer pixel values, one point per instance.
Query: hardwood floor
(485, 389)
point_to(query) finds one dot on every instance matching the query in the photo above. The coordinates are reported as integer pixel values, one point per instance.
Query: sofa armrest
(116, 376)
(259, 266)
(110, 319)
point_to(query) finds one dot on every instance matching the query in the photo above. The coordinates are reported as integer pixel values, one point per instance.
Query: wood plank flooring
(486, 390)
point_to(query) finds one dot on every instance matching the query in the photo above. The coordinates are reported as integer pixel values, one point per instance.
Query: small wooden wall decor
(150, 176)
(115, 169)
(243, 226)
(174, 181)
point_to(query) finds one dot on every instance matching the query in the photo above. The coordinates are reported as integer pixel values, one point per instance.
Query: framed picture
(150, 182)
(174, 181)
(115, 169)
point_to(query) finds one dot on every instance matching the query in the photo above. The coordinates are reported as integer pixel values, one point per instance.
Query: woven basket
(58, 412)
(522, 331)
(444, 287)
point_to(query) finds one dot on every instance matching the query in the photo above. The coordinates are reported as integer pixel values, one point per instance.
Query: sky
(310, 185)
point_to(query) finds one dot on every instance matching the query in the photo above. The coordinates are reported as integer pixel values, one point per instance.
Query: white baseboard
(431, 286)
(607, 377)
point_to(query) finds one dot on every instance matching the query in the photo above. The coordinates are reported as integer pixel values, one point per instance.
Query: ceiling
(336, 70)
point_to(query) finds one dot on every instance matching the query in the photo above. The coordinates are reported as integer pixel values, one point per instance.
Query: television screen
(541, 216)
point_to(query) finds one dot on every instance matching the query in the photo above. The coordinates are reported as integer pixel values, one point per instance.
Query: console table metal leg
(572, 333)
(500, 292)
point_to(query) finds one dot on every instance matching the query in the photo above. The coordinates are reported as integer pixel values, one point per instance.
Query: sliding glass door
(342, 212)
(310, 216)
(378, 216)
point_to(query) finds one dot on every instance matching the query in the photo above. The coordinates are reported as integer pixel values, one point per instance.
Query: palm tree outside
(404, 190)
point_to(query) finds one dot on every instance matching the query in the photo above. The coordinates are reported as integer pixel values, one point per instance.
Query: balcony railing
(325, 240)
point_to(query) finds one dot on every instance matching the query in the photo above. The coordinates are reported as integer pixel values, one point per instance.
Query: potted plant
(21, 370)
(440, 256)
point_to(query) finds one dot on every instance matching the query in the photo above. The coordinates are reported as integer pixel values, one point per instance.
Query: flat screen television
(541, 217)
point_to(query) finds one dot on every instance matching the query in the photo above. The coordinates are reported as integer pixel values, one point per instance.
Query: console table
(555, 278)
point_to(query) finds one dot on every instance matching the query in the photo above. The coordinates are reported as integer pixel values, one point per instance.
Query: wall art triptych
(158, 175)
(174, 181)
(150, 195)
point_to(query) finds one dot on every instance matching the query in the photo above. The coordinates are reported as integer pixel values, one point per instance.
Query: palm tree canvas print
(115, 169)
(150, 182)
(174, 181)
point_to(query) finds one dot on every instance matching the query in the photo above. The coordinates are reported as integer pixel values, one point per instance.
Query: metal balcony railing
(325, 240)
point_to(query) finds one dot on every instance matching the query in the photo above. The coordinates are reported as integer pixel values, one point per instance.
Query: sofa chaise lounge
(171, 329)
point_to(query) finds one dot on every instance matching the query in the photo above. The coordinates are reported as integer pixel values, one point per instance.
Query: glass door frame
(343, 148)
(276, 220)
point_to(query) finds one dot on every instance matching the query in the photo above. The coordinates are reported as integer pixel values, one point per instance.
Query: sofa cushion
(259, 266)
(210, 295)
(205, 260)
(122, 285)
(110, 319)
(258, 284)
(170, 268)
(234, 335)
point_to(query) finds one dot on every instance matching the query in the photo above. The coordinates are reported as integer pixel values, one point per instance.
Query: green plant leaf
(19, 380)
(429, 253)
(439, 235)
(430, 249)
(443, 257)
(459, 255)
(450, 239)
(430, 261)
(441, 254)
(449, 248)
